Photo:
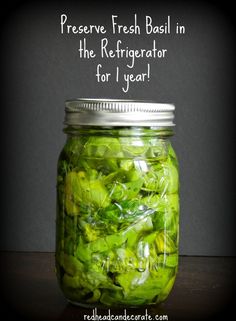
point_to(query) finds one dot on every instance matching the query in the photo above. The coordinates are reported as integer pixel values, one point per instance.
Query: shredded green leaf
(117, 221)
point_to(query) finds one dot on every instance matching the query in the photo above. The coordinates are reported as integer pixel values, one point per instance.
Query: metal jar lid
(118, 112)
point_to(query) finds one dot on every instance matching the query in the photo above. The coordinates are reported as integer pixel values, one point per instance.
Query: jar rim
(118, 112)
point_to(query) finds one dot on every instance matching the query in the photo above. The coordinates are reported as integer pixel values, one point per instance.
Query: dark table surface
(204, 289)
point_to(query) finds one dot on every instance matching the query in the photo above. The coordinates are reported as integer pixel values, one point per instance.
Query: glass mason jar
(117, 204)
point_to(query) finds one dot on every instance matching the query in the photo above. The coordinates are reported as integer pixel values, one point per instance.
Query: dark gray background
(41, 69)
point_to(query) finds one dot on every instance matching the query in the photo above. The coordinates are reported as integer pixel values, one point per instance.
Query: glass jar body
(117, 217)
